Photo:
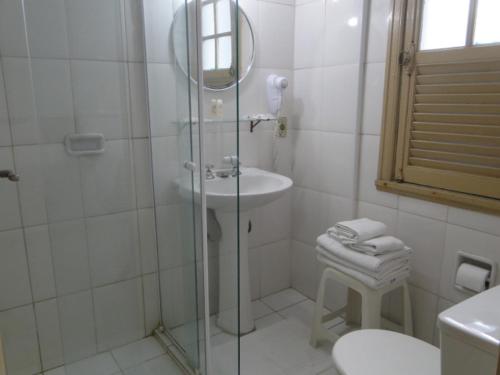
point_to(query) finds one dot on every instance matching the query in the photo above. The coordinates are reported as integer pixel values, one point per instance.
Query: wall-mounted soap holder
(477, 261)
(84, 144)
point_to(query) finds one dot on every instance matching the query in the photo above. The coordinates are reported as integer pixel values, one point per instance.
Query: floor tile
(260, 309)
(101, 364)
(268, 321)
(137, 352)
(283, 299)
(162, 365)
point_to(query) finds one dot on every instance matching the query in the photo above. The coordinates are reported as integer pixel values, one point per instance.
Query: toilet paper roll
(472, 277)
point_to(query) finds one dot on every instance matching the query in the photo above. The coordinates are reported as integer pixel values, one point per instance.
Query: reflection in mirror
(219, 33)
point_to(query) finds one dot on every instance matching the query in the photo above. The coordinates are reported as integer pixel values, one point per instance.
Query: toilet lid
(379, 352)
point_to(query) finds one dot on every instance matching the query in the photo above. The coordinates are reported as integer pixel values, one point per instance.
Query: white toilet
(470, 344)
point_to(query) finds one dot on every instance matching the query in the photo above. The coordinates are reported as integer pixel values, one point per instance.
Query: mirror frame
(179, 12)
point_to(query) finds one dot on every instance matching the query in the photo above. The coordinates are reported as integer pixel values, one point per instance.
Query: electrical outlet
(282, 127)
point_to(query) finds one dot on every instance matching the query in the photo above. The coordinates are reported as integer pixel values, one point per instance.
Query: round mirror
(219, 45)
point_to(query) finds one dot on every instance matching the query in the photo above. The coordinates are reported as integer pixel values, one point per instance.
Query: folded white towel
(397, 276)
(378, 245)
(372, 263)
(358, 230)
(383, 272)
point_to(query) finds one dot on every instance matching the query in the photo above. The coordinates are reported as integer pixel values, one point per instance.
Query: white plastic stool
(368, 304)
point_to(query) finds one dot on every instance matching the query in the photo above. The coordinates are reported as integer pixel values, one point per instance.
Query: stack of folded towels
(360, 248)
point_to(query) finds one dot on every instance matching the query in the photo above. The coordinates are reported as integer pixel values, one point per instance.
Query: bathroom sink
(257, 188)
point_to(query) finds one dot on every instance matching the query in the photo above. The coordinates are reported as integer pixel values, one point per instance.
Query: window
(441, 131)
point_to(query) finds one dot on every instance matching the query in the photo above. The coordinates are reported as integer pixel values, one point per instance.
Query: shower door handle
(9, 174)
(190, 166)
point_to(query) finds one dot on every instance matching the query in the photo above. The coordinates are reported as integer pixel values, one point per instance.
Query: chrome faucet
(209, 173)
(234, 161)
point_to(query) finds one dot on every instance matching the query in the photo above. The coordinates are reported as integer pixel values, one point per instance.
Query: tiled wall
(435, 232)
(75, 245)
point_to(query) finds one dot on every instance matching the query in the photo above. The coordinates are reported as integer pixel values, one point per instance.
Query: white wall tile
(475, 220)
(147, 239)
(175, 245)
(380, 18)
(78, 339)
(166, 169)
(423, 208)
(468, 241)
(101, 97)
(373, 98)
(314, 212)
(275, 265)
(95, 29)
(113, 247)
(368, 174)
(134, 29)
(47, 316)
(63, 189)
(426, 237)
(20, 100)
(122, 299)
(309, 34)
(138, 99)
(340, 98)
(31, 185)
(46, 23)
(178, 285)
(14, 278)
(53, 99)
(163, 93)
(9, 202)
(324, 151)
(304, 269)
(307, 98)
(12, 35)
(5, 137)
(107, 180)
(20, 341)
(424, 306)
(343, 20)
(158, 16)
(272, 222)
(143, 172)
(443, 304)
(389, 216)
(151, 302)
(275, 44)
(40, 262)
(70, 256)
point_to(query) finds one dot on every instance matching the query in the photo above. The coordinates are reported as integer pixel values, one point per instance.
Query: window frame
(402, 31)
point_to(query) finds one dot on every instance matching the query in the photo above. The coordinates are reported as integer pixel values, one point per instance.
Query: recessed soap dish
(84, 144)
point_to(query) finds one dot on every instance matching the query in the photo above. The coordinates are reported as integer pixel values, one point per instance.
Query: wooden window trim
(401, 32)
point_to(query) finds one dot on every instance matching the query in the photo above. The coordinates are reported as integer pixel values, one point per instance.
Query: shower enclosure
(104, 247)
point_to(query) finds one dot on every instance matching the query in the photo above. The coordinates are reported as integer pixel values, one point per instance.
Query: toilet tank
(470, 335)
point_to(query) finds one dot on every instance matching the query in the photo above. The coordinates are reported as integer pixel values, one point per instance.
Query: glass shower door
(176, 174)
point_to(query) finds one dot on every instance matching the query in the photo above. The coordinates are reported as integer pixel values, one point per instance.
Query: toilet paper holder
(478, 261)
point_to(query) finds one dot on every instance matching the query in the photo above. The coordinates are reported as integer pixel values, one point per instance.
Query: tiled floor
(279, 346)
(144, 357)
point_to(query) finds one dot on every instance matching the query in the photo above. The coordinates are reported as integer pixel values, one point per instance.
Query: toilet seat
(380, 352)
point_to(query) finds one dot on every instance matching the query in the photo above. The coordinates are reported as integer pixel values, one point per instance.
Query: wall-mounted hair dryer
(276, 85)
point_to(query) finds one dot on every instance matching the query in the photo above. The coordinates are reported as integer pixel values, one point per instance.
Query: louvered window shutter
(451, 121)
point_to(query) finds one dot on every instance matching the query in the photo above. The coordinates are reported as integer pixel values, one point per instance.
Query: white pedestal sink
(257, 188)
